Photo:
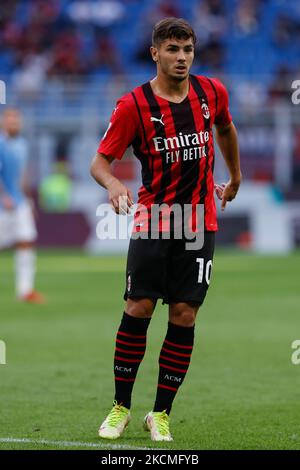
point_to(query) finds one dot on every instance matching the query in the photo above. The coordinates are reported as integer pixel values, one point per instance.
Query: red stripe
(176, 353)
(127, 360)
(129, 352)
(209, 202)
(200, 126)
(150, 130)
(175, 167)
(172, 368)
(124, 380)
(178, 345)
(130, 344)
(144, 197)
(174, 360)
(130, 336)
(168, 388)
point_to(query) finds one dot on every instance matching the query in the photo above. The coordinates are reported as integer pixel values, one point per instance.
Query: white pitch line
(72, 444)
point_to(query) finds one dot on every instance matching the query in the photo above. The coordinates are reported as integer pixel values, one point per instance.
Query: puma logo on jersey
(152, 119)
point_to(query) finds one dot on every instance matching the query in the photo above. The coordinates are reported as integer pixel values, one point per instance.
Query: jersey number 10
(204, 270)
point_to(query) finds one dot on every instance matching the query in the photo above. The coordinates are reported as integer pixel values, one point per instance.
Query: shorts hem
(143, 295)
(177, 301)
(165, 300)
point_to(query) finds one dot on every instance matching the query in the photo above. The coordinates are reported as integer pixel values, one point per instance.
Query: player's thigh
(25, 224)
(146, 270)
(189, 271)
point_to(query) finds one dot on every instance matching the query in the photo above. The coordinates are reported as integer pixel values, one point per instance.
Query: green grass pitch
(241, 392)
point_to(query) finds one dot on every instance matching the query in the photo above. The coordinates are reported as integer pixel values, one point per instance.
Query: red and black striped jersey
(173, 141)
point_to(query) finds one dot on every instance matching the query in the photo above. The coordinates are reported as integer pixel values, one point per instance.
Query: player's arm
(6, 201)
(119, 195)
(120, 134)
(227, 140)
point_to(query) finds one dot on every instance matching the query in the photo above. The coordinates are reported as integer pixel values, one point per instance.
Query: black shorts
(165, 269)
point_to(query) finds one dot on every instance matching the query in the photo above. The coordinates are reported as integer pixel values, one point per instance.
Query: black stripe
(203, 99)
(147, 172)
(178, 350)
(125, 355)
(217, 103)
(130, 348)
(136, 341)
(216, 94)
(160, 131)
(184, 122)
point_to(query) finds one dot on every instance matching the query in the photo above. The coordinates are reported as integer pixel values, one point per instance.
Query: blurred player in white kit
(17, 225)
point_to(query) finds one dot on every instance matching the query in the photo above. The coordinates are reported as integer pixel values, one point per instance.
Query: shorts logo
(128, 283)
(205, 111)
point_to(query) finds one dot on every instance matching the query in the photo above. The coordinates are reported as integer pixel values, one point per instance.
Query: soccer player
(17, 226)
(168, 121)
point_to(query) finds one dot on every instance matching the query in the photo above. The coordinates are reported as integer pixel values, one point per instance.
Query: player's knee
(141, 308)
(183, 314)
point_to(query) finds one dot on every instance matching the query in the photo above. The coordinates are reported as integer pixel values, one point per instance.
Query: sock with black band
(174, 361)
(129, 353)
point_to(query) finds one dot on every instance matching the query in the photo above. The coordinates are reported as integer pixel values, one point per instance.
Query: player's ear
(154, 52)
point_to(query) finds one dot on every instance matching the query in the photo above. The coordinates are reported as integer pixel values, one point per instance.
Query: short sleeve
(121, 131)
(223, 116)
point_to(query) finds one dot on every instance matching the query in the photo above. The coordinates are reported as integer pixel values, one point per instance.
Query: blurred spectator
(81, 37)
(285, 28)
(210, 24)
(211, 55)
(166, 8)
(55, 190)
(65, 56)
(29, 80)
(106, 55)
(103, 13)
(210, 20)
(248, 16)
(249, 95)
(280, 88)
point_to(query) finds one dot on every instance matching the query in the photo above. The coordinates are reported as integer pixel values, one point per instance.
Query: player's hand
(7, 203)
(227, 192)
(120, 197)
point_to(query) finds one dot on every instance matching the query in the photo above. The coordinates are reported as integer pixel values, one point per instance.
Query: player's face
(174, 57)
(12, 122)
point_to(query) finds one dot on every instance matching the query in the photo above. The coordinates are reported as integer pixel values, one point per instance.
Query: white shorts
(17, 225)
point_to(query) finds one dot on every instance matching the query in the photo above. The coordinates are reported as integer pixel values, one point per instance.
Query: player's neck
(171, 90)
